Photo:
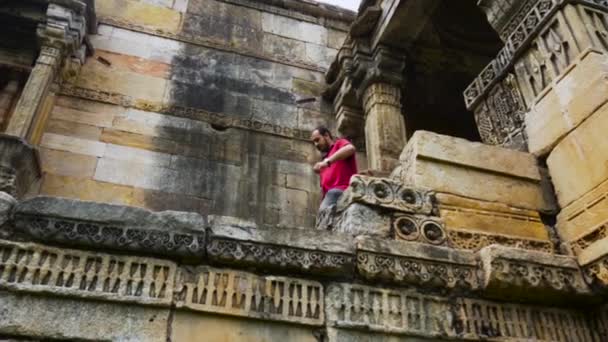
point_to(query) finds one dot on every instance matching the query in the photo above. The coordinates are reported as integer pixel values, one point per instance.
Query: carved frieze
(111, 235)
(262, 255)
(535, 276)
(408, 312)
(418, 272)
(416, 264)
(249, 295)
(387, 193)
(41, 269)
(474, 241)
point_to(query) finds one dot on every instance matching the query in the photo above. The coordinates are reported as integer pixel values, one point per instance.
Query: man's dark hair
(323, 131)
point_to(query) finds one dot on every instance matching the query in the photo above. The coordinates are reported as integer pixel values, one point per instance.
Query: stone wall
(191, 105)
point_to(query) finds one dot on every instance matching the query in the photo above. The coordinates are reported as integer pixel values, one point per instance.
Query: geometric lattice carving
(37, 268)
(249, 295)
(500, 118)
(283, 257)
(408, 312)
(474, 241)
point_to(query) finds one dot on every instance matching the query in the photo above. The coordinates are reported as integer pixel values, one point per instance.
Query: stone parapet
(305, 278)
(295, 250)
(111, 227)
(460, 167)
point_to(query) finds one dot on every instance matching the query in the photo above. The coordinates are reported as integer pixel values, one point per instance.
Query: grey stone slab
(360, 219)
(416, 250)
(294, 29)
(67, 319)
(99, 225)
(281, 249)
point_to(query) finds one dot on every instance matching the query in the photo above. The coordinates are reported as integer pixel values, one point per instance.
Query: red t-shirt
(338, 174)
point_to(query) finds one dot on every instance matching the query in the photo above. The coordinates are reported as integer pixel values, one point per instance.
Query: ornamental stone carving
(408, 312)
(389, 194)
(416, 264)
(41, 269)
(248, 295)
(96, 225)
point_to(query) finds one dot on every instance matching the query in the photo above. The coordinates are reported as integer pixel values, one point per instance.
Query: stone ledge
(98, 225)
(417, 264)
(511, 273)
(303, 251)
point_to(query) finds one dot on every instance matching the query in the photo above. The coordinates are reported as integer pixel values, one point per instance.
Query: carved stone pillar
(384, 126)
(35, 91)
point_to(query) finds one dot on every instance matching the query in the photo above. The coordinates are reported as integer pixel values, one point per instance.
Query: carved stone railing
(301, 277)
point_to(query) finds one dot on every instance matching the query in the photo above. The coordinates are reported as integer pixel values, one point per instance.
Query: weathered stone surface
(461, 213)
(585, 222)
(192, 327)
(235, 293)
(460, 167)
(72, 144)
(511, 273)
(416, 264)
(388, 194)
(406, 313)
(573, 97)
(7, 202)
(138, 12)
(322, 253)
(94, 225)
(358, 219)
(68, 319)
(67, 163)
(65, 272)
(577, 164)
(19, 166)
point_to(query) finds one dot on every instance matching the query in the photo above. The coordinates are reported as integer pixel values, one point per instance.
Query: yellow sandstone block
(140, 13)
(572, 98)
(86, 189)
(579, 163)
(491, 218)
(96, 76)
(67, 163)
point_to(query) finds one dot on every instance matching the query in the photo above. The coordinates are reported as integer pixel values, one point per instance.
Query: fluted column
(384, 126)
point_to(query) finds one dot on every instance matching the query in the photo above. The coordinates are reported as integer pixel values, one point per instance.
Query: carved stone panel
(387, 193)
(500, 117)
(249, 295)
(41, 269)
(407, 312)
(416, 264)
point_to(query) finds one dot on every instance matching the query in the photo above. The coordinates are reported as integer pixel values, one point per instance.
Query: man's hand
(320, 166)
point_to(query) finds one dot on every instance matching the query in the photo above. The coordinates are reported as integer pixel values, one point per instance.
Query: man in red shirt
(337, 167)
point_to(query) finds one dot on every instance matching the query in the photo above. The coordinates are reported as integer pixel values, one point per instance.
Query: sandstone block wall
(191, 105)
